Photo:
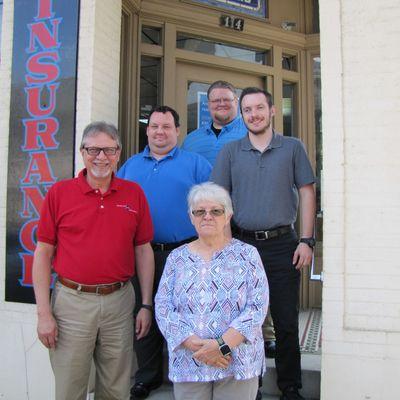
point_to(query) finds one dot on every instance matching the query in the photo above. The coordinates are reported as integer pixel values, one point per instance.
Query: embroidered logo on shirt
(127, 208)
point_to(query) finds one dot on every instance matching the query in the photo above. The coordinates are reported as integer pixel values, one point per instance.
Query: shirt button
(101, 198)
(96, 191)
(101, 206)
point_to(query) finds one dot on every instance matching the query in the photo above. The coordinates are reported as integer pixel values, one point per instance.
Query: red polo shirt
(95, 233)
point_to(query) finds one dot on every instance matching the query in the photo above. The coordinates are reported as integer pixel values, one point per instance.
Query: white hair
(210, 191)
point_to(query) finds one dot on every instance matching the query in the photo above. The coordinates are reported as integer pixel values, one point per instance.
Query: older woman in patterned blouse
(210, 306)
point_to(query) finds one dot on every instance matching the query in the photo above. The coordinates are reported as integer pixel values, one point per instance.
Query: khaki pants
(228, 388)
(93, 327)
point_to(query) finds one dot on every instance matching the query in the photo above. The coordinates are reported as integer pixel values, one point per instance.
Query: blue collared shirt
(204, 141)
(166, 184)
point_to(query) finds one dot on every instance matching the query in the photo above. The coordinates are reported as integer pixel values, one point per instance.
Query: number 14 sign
(232, 22)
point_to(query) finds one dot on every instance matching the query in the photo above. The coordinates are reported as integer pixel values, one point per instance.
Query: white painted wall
(360, 56)
(25, 371)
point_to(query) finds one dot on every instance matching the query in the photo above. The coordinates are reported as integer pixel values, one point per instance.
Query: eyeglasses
(95, 151)
(215, 212)
(224, 100)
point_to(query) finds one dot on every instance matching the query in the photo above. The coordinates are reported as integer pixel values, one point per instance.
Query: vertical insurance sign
(42, 123)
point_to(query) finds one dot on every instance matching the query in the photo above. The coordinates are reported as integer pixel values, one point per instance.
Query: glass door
(192, 84)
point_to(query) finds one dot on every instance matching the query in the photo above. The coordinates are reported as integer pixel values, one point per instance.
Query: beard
(223, 119)
(101, 172)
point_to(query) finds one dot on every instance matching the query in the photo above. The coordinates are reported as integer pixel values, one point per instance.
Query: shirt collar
(227, 127)
(86, 188)
(276, 142)
(172, 153)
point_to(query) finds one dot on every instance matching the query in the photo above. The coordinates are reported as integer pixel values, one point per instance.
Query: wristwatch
(223, 347)
(308, 241)
(147, 307)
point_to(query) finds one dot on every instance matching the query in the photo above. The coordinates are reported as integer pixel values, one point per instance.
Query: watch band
(147, 307)
(308, 241)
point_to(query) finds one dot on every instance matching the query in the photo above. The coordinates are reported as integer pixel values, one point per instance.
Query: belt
(170, 246)
(264, 235)
(104, 289)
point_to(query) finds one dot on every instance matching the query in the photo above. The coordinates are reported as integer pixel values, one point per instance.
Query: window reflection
(289, 109)
(151, 35)
(207, 46)
(150, 96)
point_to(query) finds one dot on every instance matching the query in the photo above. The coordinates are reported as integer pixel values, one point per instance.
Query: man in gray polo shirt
(266, 174)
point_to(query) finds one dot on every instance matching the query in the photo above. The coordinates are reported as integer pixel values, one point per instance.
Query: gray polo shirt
(264, 186)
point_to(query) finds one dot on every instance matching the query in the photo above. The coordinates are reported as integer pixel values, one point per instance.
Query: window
(289, 110)
(150, 94)
(318, 126)
(151, 35)
(207, 46)
(289, 62)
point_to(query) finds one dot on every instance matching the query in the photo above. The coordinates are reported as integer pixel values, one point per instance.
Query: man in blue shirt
(166, 174)
(226, 124)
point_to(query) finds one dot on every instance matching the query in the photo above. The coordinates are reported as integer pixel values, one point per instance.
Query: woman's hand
(192, 343)
(210, 354)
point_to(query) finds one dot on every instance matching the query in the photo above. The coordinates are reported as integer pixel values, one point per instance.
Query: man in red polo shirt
(92, 229)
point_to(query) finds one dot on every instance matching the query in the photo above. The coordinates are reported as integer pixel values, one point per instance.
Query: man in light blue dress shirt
(226, 124)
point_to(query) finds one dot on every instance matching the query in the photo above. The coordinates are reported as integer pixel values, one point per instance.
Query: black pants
(149, 350)
(284, 286)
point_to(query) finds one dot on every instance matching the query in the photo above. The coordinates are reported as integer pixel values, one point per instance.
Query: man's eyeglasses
(95, 151)
(224, 100)
(215, 212)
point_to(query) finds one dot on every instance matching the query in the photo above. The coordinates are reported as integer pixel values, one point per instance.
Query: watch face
(225, 350)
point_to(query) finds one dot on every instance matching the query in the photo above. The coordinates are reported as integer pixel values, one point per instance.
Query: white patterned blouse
(208, 297)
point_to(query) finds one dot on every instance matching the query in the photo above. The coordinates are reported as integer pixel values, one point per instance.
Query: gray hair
(210, 191)
(97, 127)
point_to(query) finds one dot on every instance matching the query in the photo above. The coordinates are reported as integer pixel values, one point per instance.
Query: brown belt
(97, 289)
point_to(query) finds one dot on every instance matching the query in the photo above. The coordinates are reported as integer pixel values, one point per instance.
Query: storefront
(133, 54)
(171, 52)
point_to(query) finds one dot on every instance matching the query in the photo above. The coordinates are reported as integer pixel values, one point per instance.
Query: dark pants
(284, 286)
(149, 350)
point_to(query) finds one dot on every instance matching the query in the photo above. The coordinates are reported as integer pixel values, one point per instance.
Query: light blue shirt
(205, 142)
(206, 298)
(166, 184)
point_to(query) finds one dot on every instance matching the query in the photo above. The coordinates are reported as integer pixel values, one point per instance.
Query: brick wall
(361, 295)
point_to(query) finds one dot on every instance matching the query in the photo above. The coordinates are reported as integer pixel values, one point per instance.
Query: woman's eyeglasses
(215, 212)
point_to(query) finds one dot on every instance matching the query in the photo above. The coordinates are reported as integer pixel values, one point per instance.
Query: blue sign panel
(255, 8)
(203, 115)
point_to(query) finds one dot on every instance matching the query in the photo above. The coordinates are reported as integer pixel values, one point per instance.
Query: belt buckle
(261, 235)
(98, 287)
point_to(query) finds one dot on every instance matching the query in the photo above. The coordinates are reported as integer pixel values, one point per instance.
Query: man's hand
(210, 354)
(143, 323)
(302, 256)
(47, 330)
